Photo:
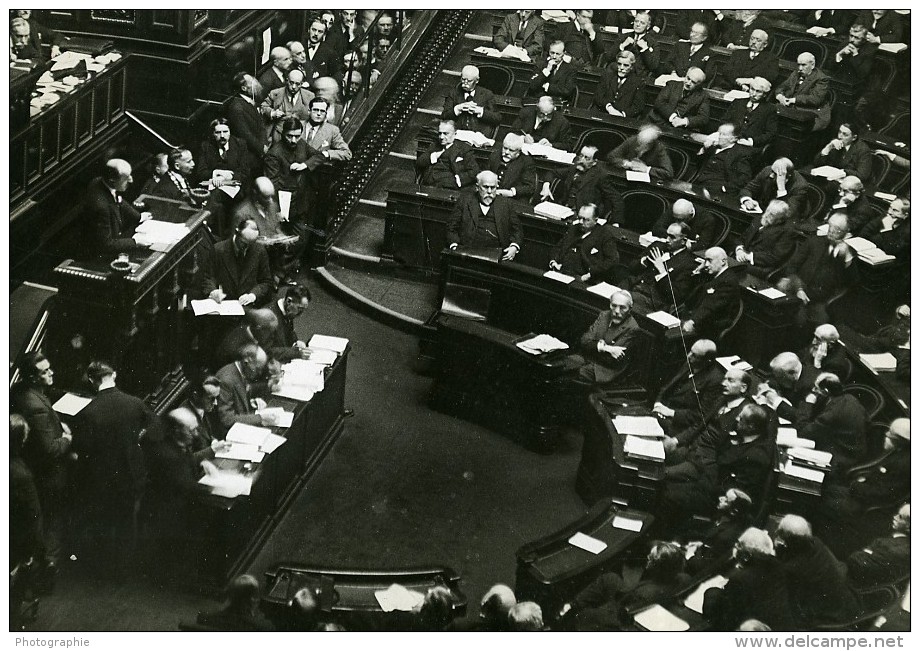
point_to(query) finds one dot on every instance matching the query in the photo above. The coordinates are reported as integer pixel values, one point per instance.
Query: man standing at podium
(108, 220)
(484, 220)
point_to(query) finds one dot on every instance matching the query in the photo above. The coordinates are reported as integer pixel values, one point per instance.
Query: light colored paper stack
(552, 210)
(542, 344)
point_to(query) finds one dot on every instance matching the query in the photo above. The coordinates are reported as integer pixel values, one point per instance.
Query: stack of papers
(159, 232)
(734, 361)
(647, 426)
(665, 319)
(474, 138)
(788, 437)
(224, 308)
(259, 437)
(241, 452)
(817, 458)
(640, 177)
(644, 448)
(323, 356)
(300, 379)
(879, 361)
(828, 172)
(886, 196)
(875, 256)
(627, 524)
(805, 474)
(695, 600)
(488, 51)
(772, 293)
(549, 153)
(542, 344)
(227, 484)
(70, 404)
(892, 47)
(603, 289)
(819, 31)
(326, 342)
(736, 94)
(562, 278)
(398, 597)
(647, 239)
(657, 618)
(662, 80)
(67, 60)
(282, 419)
(552, 210)
(589, 544)
(556, 15)
(515, 52)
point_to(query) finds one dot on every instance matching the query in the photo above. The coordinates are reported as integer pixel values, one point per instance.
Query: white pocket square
(711, 290)
(593, 251)
(459, 158)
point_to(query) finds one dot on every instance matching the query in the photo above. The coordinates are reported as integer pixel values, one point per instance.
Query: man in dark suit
(543, 124)
(621, 91)
(26, 534)
(243, 387)
(666, 278)
(321, 57)
(724, 167)
(703, 229)
(683, 105)
(352, 31)
(483, 220)
(109, 432)
(523, 29)
(891, 233)
(243, 116)
(886, 559)
(449, 164)
(694, 52)
(854, 61)
(644, 152)
(807, 89)
(835, 421)
(694, 391)
(470, 107)
(884, 25)
(768, 242)
(824, 354)
(714, 304)
(554, 75)
(642, 43)
(587, 180)
(515, 171)
(588, 250)
(108, 220)
(288, 164)
(238, 268)
(754, 118)
(777, 181)
(786, 388)
(178, 181)
(609, 347)
(581, 38)
(847, 152)
(274, 77)
(853, 203)
(46, 448)
(222, 151)
(737, 33)
(745, 64)
(285, 344)
(284, 240)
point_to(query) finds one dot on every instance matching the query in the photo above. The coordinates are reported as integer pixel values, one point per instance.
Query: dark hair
(241, 224)
(19, 430)
(317, 100)
(28, 363)
(853, 127)
(97, 371)
(291, 124)
(175, 154)
(218, 121)
(741, 506)
(238, 80)
(297, 293)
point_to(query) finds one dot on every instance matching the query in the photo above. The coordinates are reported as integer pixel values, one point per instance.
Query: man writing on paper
(586, 181)
(588, 250)
(643, 152)
(543, 124)
(483, 220)
(285, 344)
(608, 347)
(243, 387)
(238, 267)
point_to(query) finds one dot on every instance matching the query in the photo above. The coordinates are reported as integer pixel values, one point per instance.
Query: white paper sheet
(586, 542)
(71, 404)
(657, 618)
(224, 308)
(665, 319)
(561, 277)
(627, 524)
(603, 289)
(641, 177)
(398, 597)
(326, 342)
(644, 447)
(695, 600)
(647, 426)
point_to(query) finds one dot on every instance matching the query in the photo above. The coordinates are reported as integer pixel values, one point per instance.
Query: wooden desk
(346, 596)
(230, 531)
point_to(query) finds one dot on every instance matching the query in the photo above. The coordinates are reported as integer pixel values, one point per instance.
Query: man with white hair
(808, 89)
(543, 124)
(723, 167)
(448, 163)
(274, 77)
(694, 51)
(714, 304)
(469, 106)
(609, 349)
(515, 170)
(108, 220)
(526, 616)
(685, 400)
(644, 152)
(825, 354)
(853, 203)
(483, 220)
(785, 389)
(886, 559)
(768, 242)
(704, 229)
(621, 91)
(745, 64)
(779, 180)
(683, 104)
(891, 232)
(755, 118)
(835, 421)
(494, 608)
(588, 250)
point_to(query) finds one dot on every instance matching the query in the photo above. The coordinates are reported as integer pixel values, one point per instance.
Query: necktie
(223, 152)
(522, 27)
(467, 97)
(312, 134)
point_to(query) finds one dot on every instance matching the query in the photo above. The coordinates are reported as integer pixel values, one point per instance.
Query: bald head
(683, 210)
(281, 57)
(264, 187)
(117, 174)
(703, 349)
(496, 604)
(827, 333)
(793, 526)
(695, 78)
(715, 260)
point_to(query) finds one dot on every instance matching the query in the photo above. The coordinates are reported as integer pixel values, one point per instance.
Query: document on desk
(627, 524)
(542, 344)
(227, 484)
(647, 426)
(248, 434)
(879, 362)
(155, 231)
(894, 48)
(326, 342)
(549, 153)
(813, 457)
(735, 94)
(695, 600)
(875, 256)
(231, 190)
(586, 542)
(474, 138)
(642, 177)
(788, 437)
(829, 172)
(552, 210)
(70, 404)
(662, 80)
(242, 452)
(800, 472)
(224, 308)
(561, 277)
(772, 293)
(300, 380)
(603, 289)
(665, 319)
(398, 597)
(322, 356)
(656, 618)
(284, 204)
(644, 448)
(488, 51)
(647, 239)
(734, 362)
(515, 52)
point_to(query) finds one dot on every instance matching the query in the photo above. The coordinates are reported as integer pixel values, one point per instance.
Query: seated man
(887, 558)
(243, 387)
(285, 344)
(178, 182)
(483, 220)
(543, 124)
(238, 268)
(777, 181)
(280, 237)
(891, 233)
(609, 347)
(821, 268)
(807, 89)
(588, 250)
(581, 37)
(222, 157)
(621, 91)
(768, 242)
(737, 33)
(715, 542)
(290, 101)
(704, 229)
(516, 173)
(847, 152)
(835, 421)
(585, 181)
(853, 203)
(754, 118)
(695, 52)
(693, 392)
(785, 390)
(108, 221)
(496, 603)
(23, 47)
(469, 106)
(744, 64)
(855, 60)
(643, 152)
(714, 304)
(825, 354)
(523, 29)
(723, 167)
(449, 163)
(642, 44)
(683, 104)
(665, 278)
(160, 168)
(554, 76)
(884, 25)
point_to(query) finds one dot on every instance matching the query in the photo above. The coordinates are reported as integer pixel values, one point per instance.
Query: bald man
(778, 180)
(704, 229)
(274, 77)
(683, 104)
(714, 304)
(109, 221)
(768, 242)
(684, 401)
(516, 172)
(835, 421)
(544, 124)
(746, 63)
(482, 219)
(470, 106)
(290, 101)
(807, 89)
